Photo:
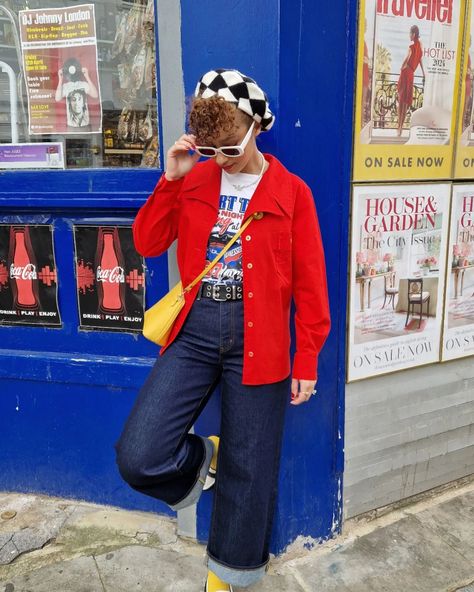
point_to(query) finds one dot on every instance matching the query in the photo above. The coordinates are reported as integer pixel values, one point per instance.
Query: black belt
(220, 292)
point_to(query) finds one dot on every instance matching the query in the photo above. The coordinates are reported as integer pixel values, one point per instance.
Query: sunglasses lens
(205, 151)
(231, 151)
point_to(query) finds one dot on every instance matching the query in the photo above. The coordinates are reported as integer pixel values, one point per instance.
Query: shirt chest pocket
(197, 218)
(283, 253)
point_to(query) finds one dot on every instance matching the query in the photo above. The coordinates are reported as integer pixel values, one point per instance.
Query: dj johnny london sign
(59, 50)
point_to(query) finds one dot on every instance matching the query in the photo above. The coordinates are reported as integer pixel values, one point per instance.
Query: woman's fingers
(182, 145)
(298, 395)
(179, 162)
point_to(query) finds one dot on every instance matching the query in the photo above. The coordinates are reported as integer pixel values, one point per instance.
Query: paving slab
(401, 556)
(36, 521)
(77, 575)
(453, 521)
(143, 569)
(120, 522)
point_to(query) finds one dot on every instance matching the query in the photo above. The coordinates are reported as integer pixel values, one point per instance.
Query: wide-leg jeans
(158, 457)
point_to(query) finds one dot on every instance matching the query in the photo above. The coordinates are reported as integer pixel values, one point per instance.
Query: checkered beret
(239, 89)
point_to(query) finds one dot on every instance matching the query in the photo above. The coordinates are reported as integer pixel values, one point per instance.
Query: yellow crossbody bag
(159, 319)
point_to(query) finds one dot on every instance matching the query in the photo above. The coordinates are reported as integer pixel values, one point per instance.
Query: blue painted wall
(65, 394)
(301, 53)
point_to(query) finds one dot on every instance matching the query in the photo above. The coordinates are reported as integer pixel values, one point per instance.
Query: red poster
(59, 47)
(28, 276)
(110, 278)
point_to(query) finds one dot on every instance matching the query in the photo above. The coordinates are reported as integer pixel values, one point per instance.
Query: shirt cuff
(305, 366)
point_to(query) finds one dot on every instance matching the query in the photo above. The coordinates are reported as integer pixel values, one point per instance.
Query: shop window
(78, 84)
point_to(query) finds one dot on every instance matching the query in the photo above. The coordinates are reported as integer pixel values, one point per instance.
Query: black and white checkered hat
(239, 89)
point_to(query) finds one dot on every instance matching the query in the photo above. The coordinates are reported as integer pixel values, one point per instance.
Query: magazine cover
(458, 334)
(464, 158)
(409, 58)
(59, 48)
(28, 276)
(110, 278)
(398, 252)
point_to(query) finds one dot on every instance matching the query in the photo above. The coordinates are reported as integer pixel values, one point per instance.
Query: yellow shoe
(211, 474)
(215, 584)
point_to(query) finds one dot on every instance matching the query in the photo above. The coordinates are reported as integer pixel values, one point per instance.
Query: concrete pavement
(57, 545)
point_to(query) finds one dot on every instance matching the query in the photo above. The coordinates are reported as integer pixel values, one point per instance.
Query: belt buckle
(214, 294)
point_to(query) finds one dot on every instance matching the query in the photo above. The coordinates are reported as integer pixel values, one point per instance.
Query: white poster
(398, 253)
(59, 47)
(458, 335)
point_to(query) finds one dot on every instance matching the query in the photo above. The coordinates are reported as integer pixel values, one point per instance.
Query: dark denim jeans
(158, 457)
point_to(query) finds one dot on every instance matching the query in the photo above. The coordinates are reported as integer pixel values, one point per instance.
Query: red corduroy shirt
(282, 257)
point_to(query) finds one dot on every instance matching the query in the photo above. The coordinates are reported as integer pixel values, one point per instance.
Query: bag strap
(216, 259)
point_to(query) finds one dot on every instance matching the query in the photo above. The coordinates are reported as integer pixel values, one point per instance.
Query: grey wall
(407, 432)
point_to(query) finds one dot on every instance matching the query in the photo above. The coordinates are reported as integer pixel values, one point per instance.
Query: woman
(74, 85)
(233, 328)
(407, 72)
(77, 108)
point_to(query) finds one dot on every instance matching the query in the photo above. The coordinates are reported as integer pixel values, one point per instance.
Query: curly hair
(209, 117)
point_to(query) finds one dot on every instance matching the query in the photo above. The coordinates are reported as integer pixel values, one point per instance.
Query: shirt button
(250, 294)
(248, 237)
(250, 324)
(249, 265)
(251, 354)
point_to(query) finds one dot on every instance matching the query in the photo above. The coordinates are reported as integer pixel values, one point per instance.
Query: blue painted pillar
(301, 52)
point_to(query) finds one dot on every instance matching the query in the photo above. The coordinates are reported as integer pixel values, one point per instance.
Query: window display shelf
(122, 151)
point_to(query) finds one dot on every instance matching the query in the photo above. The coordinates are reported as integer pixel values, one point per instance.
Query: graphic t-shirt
(232, 205)
(77, 108)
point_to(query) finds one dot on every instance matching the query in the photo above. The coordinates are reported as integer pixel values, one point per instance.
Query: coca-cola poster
(59, 48)
(110, 278)
(28, 276)
(409, 61)
(398, 262)
(458, 334)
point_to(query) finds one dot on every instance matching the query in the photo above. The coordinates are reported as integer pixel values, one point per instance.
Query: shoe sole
(210, 479)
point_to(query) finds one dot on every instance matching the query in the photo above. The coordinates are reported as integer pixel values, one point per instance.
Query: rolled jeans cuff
(194, 493)
(241, 577)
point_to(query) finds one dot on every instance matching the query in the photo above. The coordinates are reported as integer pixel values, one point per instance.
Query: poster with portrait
(110, 278)
(409, 59)
(458, 334)
(59, 50)
(464, 157)
(398, 252)
(28, 276)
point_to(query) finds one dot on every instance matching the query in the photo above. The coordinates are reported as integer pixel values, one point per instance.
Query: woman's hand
(178, 160)
(306, 386)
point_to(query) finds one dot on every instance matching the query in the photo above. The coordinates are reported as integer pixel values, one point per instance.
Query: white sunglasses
(231, 151)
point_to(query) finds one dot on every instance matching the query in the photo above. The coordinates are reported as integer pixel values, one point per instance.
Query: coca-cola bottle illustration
(110, 272)
(23, 269)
